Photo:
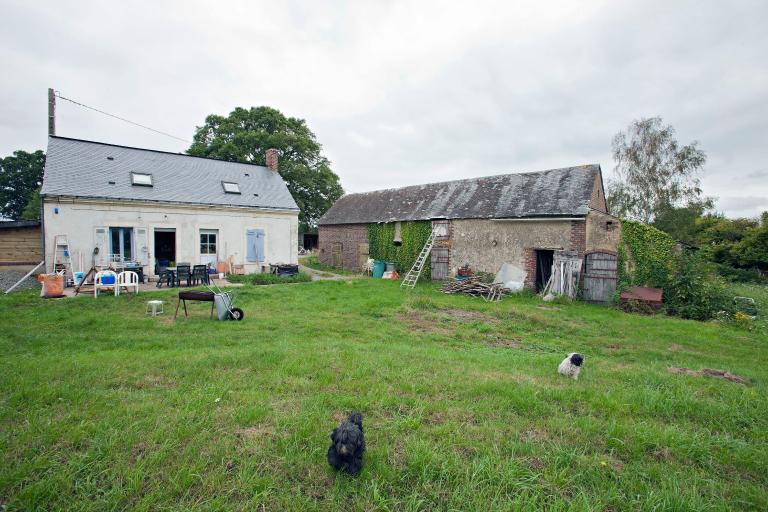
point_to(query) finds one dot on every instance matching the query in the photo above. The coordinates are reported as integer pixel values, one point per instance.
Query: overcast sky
(401, 93)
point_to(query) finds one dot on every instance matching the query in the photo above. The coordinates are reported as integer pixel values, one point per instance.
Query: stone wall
(350, 236)
(487, 244)
(603, 232)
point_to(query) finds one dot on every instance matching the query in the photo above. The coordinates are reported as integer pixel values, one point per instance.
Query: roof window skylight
(141, 179)
(230, 187)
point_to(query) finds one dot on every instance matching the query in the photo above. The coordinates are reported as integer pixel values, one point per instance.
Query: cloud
(404, 92)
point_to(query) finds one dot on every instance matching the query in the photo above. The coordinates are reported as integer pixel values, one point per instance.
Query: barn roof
(556, 193)
(81, 168)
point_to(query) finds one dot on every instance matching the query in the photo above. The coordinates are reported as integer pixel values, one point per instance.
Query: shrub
(741, 275)
(695, 291)
(692, 287)
(262, 279)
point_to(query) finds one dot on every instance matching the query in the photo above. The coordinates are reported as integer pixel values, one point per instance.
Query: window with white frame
(208, 242)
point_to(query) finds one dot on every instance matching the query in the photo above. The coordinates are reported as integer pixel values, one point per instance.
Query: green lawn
(312, 261)
(102, 408)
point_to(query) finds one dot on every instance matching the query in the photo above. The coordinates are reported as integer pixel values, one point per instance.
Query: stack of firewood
(475, 287)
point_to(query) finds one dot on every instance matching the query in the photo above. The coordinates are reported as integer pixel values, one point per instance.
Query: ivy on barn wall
(414, 235)
(646, 256)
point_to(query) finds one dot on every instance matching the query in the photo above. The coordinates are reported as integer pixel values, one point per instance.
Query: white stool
(152, 307)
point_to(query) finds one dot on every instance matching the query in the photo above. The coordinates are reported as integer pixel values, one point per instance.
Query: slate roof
(557, 193)
(80, 168)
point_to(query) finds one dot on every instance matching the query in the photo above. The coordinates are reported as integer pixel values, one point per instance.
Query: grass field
(313, 262)
(102, 408)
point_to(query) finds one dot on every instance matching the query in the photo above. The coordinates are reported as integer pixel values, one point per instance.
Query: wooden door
(440, 259)
(337, 258)
(600, 275)
(362, 255)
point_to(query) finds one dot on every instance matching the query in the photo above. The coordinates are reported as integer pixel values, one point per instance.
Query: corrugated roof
(557, 192)
(79, 168)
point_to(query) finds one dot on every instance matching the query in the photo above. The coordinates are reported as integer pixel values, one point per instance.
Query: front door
(209, 239)
(165, 247)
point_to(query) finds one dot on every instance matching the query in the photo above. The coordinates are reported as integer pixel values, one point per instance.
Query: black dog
(348, 445)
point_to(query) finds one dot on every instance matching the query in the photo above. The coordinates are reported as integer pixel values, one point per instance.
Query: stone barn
(520, 219)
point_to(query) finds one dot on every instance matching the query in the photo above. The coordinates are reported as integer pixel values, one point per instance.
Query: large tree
(20, 175)
(245, 135)
(653, 171)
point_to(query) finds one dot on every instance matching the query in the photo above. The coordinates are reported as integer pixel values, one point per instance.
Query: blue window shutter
(250, 244)
(254, 245)
(260, 245)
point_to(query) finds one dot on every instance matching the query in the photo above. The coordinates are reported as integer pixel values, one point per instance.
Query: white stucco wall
(78, 219)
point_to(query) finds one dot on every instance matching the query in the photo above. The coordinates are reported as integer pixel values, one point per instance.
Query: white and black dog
(571, 365)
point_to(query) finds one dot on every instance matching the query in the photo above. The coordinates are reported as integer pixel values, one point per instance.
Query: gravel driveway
(9, 277)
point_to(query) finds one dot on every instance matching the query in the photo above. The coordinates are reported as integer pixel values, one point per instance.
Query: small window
(143, 180)
(230, 187)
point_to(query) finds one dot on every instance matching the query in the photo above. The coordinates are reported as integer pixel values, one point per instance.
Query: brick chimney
(272, 159)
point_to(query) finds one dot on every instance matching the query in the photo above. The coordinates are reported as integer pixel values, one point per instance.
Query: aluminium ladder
(62, 258)
(413, 275)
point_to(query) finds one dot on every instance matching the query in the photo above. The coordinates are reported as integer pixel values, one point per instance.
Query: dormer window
(230, 187)
(141, 179)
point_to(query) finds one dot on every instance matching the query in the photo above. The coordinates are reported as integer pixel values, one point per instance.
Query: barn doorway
(165, 247)
(337, 255)
(544, 259)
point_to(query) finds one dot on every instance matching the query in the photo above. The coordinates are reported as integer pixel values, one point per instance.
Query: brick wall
(597, 200)
(578, 240)
(530, 267)
(350, 236)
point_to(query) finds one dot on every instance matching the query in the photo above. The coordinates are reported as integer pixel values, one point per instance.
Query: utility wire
(121, 118)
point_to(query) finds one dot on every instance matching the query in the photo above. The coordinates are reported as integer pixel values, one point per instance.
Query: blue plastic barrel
(378, 268)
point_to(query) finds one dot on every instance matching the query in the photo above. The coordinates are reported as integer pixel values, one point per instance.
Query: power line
(121, 118)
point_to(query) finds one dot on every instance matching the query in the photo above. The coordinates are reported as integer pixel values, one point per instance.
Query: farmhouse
(118, 204)
(519, 219)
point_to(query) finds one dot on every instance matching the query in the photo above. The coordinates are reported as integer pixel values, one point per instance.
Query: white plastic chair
(127, 279)
(98, 281)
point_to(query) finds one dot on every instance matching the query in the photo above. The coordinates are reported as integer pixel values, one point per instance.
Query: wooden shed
(21, 243)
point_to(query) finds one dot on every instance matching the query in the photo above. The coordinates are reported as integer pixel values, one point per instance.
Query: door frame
(201, 256)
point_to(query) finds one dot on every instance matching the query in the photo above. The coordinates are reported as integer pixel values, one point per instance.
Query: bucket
(221, 267)
(79, 277)
(378, 268)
